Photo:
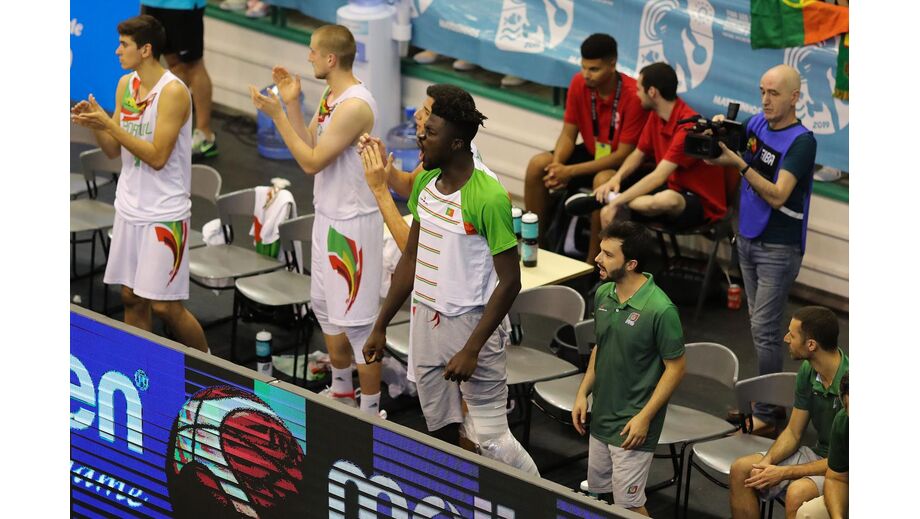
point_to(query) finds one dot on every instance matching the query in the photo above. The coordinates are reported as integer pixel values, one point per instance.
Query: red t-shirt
(665, 141)
(631, 116)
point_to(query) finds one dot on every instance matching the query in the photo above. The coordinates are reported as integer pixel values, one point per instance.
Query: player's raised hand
(269, 104)
(288, 84)
(91, 115)
(375, 170)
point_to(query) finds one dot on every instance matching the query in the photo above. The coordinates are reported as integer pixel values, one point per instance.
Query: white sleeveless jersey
(144, 194)
(339, 190)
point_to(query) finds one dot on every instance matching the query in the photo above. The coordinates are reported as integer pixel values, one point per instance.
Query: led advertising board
(159, 430)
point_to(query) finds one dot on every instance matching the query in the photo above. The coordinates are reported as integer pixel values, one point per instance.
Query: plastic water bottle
(403, 144)
(270, 144)
(516, 214)
(264, 353)
(530, 228)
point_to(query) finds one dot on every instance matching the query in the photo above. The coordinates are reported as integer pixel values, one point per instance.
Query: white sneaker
(233, 5)
(426, 57)
(345, 398)
(382, 414)
(827, 174)
(463, 65)
(512, 81)
(584, 487)
(257, 10)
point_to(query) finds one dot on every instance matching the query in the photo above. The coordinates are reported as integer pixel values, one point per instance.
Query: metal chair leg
(706, 279)
(235, 318)
(686, 496)
(92, 268)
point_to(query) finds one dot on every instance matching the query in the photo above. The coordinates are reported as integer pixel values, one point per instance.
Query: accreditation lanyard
(613, 114)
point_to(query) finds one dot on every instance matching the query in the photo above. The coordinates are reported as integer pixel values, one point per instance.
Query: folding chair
(91, 215)
(211, 266)
(715, 232)
(684, 426)
(78, 183)
(206, 182)
(284, 287)
(718, 455)
(527, 365)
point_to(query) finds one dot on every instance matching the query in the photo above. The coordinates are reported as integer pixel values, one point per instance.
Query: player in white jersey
(461, 266)
(382, 173)
(151, 129)
(347, 244)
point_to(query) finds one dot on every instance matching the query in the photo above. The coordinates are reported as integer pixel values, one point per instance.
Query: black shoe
(582, 204)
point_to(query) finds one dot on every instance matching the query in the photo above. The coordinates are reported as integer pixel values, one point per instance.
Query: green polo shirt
(838, 456)
(822, 404)
(633, 339)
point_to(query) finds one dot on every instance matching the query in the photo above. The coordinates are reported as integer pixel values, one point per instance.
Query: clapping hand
(269, 104)
(288, 85)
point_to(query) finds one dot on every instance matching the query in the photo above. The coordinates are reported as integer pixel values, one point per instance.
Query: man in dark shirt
(775, 193)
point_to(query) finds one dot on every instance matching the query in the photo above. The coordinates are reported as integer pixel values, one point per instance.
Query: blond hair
(336, 40)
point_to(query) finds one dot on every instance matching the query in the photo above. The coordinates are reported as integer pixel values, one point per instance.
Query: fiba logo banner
(680, 34)
(817, 107)
(520, 32)
(230, 454)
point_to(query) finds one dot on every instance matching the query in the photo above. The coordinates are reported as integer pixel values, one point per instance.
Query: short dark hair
(819, 324)
(456, 106)
(661, 76)
(445, 91)
(144, 29)
(337, 40)
(637, 242)
(599, 46)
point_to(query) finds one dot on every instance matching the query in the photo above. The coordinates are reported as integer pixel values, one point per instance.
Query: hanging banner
(94, 67)
(706, 41)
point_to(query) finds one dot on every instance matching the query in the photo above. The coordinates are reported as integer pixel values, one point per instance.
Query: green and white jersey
(460, 233)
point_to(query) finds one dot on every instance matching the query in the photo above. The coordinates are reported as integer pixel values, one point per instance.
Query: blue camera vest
(765, 152)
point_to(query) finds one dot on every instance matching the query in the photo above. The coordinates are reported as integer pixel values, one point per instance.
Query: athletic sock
(341, 381)
(370, 404)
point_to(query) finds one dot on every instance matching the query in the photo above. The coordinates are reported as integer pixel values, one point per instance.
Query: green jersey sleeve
(669, 334)
(421, 180)
(803, 387)
(487, 207)
(838, 455)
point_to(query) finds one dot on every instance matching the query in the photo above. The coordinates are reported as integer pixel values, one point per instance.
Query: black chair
(680, 266)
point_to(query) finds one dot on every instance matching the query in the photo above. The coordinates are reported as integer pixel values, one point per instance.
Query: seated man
(594, 95)
(834, 503)
(790, 470)
(682, 191)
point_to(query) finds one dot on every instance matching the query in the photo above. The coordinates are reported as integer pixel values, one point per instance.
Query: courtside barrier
(161, 430)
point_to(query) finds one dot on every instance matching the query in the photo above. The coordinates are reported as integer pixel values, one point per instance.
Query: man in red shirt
(594, 95)
(694, 192)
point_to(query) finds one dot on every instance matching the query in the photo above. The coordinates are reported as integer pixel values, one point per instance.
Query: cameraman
(775, 193)
(682, 190)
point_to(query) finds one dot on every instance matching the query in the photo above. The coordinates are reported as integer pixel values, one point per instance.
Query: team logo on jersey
(632, 489)
(449, 212)
(817, 107)
(633, 317)
(535, 31)
(347, 259)
(680, 34)
(131, 109)
(752, 145)
(324, 109)
(173, 235)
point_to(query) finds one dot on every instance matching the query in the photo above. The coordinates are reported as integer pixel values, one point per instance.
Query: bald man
(775, 193)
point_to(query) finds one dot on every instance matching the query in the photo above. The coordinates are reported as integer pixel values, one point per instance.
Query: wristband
(744, 170)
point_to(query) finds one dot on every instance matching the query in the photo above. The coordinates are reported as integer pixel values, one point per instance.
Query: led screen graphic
(158, 433)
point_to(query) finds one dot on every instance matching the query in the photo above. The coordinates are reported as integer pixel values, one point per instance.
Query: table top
(551, 268)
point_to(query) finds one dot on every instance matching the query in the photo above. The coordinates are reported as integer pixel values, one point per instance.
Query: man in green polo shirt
(637, 364)
(834, 504)
(789, 469)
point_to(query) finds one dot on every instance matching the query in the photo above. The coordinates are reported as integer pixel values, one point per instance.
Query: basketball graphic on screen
(230, 455)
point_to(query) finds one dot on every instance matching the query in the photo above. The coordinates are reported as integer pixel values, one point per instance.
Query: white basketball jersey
(339, 190)
(144, 194)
